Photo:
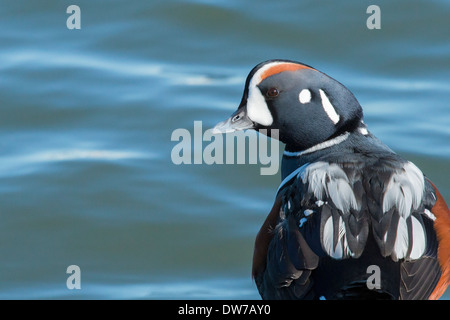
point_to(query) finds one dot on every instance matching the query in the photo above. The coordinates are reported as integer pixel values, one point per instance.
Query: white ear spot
(304, 96)
(328, 107)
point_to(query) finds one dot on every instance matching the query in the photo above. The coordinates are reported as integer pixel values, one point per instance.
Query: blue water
(87, 117)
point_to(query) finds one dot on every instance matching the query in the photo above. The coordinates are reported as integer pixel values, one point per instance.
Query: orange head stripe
(283, 67)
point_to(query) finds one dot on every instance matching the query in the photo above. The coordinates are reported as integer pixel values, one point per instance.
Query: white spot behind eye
(304, 96)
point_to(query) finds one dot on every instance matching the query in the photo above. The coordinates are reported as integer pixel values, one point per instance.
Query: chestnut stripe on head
(281, 67)
(257, 109)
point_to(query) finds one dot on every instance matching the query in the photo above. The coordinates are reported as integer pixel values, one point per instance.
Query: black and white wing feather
(338, 219)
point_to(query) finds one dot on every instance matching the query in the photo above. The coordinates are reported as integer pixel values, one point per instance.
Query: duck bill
(238, 121)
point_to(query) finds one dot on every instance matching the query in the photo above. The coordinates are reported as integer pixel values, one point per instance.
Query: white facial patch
(304, 96)
(257, 109)
(328, 107)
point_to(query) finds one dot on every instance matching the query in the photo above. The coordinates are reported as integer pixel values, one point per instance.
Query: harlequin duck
(351, 219)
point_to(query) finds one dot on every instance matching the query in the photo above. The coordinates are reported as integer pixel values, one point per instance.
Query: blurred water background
(86, 118)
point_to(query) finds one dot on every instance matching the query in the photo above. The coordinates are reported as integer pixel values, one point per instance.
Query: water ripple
(30, 162)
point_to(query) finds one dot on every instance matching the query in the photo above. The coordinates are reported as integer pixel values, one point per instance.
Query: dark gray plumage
(369, 165)
(346, 203)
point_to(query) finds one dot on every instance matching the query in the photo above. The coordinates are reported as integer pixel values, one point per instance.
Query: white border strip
(320, 146)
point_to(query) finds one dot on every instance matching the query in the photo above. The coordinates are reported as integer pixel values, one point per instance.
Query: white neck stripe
(320, 146)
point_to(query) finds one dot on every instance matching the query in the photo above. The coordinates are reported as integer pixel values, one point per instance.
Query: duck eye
(235, 118)
(272, 92)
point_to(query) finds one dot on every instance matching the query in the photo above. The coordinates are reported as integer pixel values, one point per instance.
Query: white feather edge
(404, 190)
(409, 183)
(418, 240)
(401, 241)
(328, 179)
(341, 249)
